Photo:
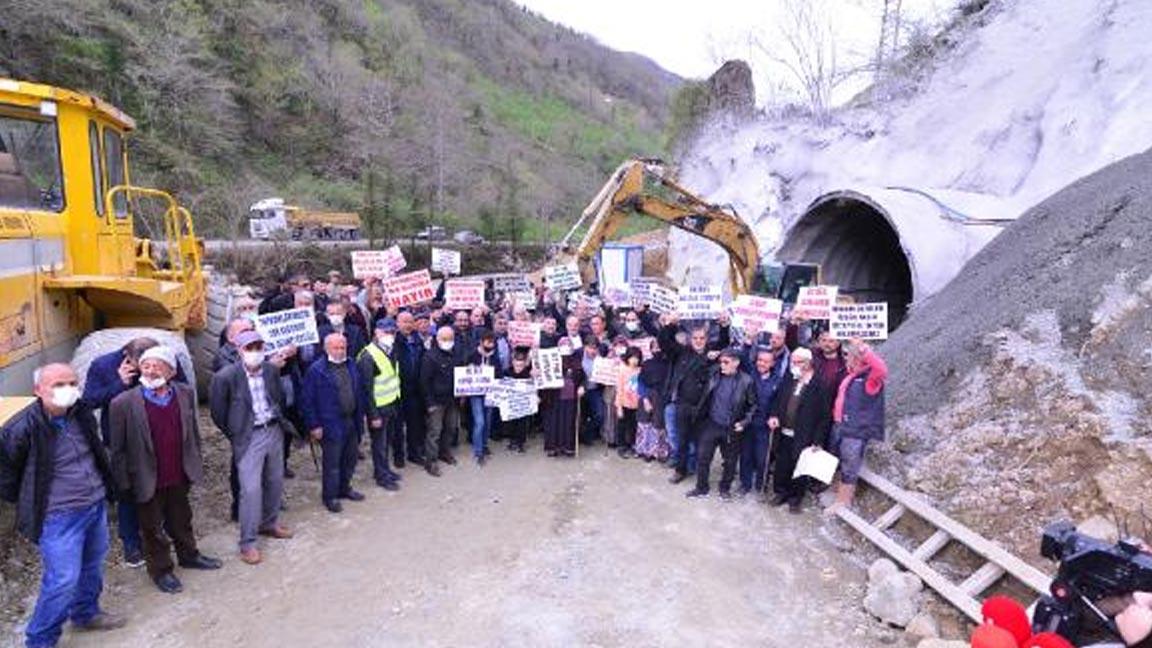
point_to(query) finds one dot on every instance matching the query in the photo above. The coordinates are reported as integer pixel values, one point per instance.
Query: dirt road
(527, 551)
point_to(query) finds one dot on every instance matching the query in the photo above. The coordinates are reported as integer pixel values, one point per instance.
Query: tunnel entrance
(857, 248)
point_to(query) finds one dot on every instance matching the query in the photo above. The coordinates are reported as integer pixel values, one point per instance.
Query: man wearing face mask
(801, 417)
(335, 408)
(437, 378)
(337, 322)
(229, 353)
(381, 378)
(247, 403)
(155, 459)
(54, 468)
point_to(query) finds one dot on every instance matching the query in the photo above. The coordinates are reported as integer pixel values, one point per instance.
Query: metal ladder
(964, 595)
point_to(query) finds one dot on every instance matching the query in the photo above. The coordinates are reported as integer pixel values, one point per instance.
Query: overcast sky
(692, 37)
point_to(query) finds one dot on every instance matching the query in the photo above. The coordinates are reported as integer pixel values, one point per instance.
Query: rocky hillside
(1020, 391)
(464, 113)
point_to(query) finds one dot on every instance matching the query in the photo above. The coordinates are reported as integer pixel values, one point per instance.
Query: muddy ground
(527, 551)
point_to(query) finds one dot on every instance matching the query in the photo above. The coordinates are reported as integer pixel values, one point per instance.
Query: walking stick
(312, 448)
(767, 458)
(576, 428)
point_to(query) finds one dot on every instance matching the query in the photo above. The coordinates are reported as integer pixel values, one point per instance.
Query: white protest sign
(700, 302)
(816, 463)
(463, 294)
(525, 298)
(761, 312)
(407, 289)
(524, 334)
(473, 380)
(549, 366)
(864, 321)
(604, 371)
(510, 283)
(618, 295)
(562, 277)
(662, 299)
(642, 289)
(377, 263)
(285, 328)
(518, 399)
(446, 261)
(815, 302)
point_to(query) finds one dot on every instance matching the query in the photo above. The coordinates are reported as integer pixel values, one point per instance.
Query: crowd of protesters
(378, 385)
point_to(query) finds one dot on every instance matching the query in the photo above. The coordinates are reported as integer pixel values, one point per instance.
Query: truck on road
(273, 218)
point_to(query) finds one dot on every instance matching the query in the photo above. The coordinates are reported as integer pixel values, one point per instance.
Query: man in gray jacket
(247, 403)
(155, 446)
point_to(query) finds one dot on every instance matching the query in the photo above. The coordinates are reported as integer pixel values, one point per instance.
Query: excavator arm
(640, 187)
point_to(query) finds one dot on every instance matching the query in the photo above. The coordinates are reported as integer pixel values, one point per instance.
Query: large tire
(100, 342)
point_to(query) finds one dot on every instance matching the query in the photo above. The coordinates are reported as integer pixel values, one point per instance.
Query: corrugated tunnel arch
(858, 249)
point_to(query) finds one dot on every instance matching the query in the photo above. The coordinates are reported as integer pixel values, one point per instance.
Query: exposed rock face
(731, 93)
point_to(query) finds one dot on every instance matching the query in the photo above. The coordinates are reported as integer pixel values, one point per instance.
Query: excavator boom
(641, 187)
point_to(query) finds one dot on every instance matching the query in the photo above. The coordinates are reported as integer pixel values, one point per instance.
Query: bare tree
(890, 25)
(806, 47)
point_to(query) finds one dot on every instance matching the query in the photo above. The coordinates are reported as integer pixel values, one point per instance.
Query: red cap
(1006, 613)
(989, 636)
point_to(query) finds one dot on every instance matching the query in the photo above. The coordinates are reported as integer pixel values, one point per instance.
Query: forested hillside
(468, 113)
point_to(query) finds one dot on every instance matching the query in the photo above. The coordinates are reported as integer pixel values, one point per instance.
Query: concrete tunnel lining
(858, 247)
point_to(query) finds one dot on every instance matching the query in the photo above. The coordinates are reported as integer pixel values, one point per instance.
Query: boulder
(893, 596)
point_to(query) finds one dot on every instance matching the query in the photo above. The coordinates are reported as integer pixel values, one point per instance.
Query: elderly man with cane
(335, 408)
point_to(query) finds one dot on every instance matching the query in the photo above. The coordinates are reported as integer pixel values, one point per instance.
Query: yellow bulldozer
(70, 260)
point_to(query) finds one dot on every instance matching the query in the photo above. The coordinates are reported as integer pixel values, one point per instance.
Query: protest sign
(473, 380)
(463, 294)
(815, 302)
(286, 328)
(517, 399)
(524, 334)
(525, 298)
(562, 277)
(446, 262)
(510, 283)
(498, 393)
(641, 288)
(662, 299)
(604, 371)
(618, 296)
(549, 366)
(864, 321)
(700, 302)
(377, 263)
(816, 463)
(411, 288)
(761, 312)
(645, 346)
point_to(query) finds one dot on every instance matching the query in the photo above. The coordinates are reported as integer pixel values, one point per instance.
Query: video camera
(1090, 570)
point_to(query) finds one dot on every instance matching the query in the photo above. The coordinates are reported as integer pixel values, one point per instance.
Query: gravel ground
(527, 551)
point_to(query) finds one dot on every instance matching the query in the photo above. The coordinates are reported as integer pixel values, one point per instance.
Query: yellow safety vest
(386, 386)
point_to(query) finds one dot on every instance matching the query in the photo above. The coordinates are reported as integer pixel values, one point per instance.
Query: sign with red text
(463, 294)
(524, 334)
(815, 302)
(762, 313)
(408, 289)
(377, 263)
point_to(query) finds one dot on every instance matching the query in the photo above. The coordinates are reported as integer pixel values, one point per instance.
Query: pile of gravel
(1060, 256)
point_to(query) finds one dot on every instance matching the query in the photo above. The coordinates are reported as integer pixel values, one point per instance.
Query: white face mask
(153, 383)
(620, 351)
(65, 396)
(387, 341)
(445, 346)
(336, 360)
(796, 371)
(565, 349)
(632, 326)
(336, 320)
(253, 359)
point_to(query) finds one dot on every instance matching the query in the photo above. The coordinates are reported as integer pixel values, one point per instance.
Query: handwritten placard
(473, 380)
(463, 294)
(864, 321)
(549, 366)
(446, 262)
(510, 283)
(604, 371)
(700, 302)
(408, 289)
(662, 299)
(377, 263)
(762, 313)
(524, 334)
(286, 328)
(815, 302)
(562, 277)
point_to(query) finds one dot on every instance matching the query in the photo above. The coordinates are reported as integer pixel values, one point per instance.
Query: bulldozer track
(964, 595)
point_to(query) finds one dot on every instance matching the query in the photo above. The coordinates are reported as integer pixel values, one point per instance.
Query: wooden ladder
(964, 596)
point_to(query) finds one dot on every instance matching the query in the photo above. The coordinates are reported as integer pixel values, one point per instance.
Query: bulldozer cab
(784, 280)
(71, 260)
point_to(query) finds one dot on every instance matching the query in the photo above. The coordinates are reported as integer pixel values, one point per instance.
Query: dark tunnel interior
(857, 249)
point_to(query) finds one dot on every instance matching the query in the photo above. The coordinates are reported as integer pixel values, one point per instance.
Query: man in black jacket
(437, 377)
(54, 467)
(727, 406)
(801, 417)
(687, 380)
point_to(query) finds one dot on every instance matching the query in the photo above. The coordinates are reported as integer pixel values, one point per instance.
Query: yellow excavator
(642, 187)
(70, 260)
